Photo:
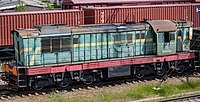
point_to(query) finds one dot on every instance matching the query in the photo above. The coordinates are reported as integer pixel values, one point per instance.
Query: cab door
(186, 41)
(166, 43)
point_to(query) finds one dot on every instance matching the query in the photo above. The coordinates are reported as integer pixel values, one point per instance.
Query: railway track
(191, 98)
(6, 93)
(9, 93)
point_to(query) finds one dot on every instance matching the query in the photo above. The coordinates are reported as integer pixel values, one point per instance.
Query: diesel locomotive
(58, 54)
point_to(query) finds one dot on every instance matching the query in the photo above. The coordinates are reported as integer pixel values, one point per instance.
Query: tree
(20, 6)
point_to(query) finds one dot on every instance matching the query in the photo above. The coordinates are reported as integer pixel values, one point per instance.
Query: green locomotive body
(61, 44)
(59, 54)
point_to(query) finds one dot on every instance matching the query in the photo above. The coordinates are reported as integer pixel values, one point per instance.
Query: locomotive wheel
(160, 72)
(180, 69)
(38, 84)
(88, 79)
(65, 82)
(140, 73)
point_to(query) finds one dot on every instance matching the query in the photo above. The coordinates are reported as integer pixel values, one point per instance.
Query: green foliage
(186, 86)
(50, 7)
(145, 91)
(132, 93)
(20, 8)
(56, 98)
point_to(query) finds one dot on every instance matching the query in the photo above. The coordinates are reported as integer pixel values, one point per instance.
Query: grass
(133, 93)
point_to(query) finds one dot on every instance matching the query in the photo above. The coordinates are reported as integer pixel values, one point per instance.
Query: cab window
(166, 37)
(169, 36)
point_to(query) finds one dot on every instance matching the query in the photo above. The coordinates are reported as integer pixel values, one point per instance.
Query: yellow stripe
(75, 45)
(94, 44)
(34, 55)
(104, 43)
(111, 42)
(25, 50)
(16, 50)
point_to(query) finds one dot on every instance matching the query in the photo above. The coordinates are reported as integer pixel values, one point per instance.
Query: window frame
(117, 39)
(61, 44)
(129, 35)
(52, 44)
(68, 45)
(166, 37)
(43, 49)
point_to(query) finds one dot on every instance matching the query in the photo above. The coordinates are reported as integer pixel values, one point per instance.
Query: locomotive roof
(162, 25)
(61, 30)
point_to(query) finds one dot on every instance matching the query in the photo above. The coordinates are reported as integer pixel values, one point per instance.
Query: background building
(21, 5)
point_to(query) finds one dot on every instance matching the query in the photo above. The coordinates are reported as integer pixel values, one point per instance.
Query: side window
(169, 36)
(116, 39)
(166, 37)
(75, 41)
(138, 36)
(130, 38)
(46, 45)
(123, 38)
(66, 46)
(56, 44)
(142, 36)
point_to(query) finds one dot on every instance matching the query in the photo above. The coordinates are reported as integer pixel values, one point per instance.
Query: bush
(20, 8)
(50, 7)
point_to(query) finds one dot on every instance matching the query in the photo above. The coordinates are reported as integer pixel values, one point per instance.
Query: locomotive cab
(165, 31)
(171, 36)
